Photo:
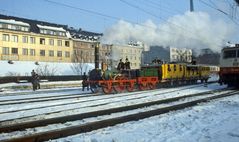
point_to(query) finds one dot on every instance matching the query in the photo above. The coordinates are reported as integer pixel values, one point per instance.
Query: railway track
(166, 105)
(79, 104)
(32, 99)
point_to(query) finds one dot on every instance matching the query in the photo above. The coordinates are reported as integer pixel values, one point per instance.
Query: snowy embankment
(27, 87)
(24, 68)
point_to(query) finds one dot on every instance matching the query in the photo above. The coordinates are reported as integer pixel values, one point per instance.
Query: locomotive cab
(229, 66)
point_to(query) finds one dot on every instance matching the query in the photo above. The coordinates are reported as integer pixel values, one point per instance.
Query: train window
(237, 53)
(169, 69)
(180, 68)
(174, 67)
(229, 54)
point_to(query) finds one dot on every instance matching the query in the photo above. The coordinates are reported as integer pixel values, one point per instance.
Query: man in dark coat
(121, 65)
(84, 82)
(127, 64)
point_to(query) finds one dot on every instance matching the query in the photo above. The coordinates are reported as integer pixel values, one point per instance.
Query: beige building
(84, 44)
(132, 52)
(30, 40)
(180, 55)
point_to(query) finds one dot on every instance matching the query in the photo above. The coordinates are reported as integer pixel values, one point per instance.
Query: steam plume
(195, 30)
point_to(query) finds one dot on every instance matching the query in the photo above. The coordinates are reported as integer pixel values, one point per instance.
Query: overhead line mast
(191, 6)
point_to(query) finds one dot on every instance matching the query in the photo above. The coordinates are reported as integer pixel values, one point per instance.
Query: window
(24, 39)
(41, 31)
(32, 40)
(5, 37)
(51, 41)
(169, 69)
(42, 40)
(1, 25)
(14, 38)
(59, 53)
(14, 51)
(24, 51)
(51, 53)
(59, 43)
(229, 54)
(24, 29)
(175, 67)
(4, 26)
(32, 52)
(67, 54)
(237, 53)
(5, 51)
(67, 43)
(42, 52)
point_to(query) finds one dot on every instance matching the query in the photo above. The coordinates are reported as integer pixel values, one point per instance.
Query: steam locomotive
(147, 77)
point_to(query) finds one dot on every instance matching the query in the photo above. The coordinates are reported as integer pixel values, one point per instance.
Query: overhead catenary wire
(219, 10)
(190, 34)
(102, 15)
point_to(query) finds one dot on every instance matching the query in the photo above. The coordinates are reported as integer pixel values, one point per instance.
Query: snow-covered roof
(68, 35)
(14, 22)
(51, 28)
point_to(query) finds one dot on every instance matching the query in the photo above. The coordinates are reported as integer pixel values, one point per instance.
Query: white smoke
(194, 30)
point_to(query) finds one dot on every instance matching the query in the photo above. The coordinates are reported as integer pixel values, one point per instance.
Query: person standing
(127, 64)
(33, 80)
(84, 82)
(37, 78)
(120, 65)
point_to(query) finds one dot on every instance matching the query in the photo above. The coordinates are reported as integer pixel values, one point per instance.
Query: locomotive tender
(229, 66)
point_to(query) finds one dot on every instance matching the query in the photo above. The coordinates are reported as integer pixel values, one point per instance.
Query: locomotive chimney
(97, 55)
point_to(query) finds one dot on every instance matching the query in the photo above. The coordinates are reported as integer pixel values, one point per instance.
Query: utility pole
(191, 6)
(237, 1)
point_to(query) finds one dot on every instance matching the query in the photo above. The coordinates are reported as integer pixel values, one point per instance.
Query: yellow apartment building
(30, 40)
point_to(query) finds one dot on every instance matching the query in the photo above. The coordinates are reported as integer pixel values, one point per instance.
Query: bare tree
(79, 63)
(12, 74)
(46, 70)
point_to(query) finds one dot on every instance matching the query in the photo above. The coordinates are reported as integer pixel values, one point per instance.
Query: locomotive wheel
(130, 87)
(94, 88)
(118, 88)
(142, 87)
(106, 89)
(151, 86)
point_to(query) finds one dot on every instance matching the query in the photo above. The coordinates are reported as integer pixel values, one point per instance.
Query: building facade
(168, 54)
(180, 55)
(27, 44)
(132, 52)
(84, 44)
(30, 40)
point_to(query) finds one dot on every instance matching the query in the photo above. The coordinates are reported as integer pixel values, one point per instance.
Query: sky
(167, 22)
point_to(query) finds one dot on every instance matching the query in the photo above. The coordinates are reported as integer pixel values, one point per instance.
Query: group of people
(35, 80)
(122, 65)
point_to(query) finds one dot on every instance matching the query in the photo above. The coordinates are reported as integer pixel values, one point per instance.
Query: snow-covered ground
(207, 122)
(216, 121)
